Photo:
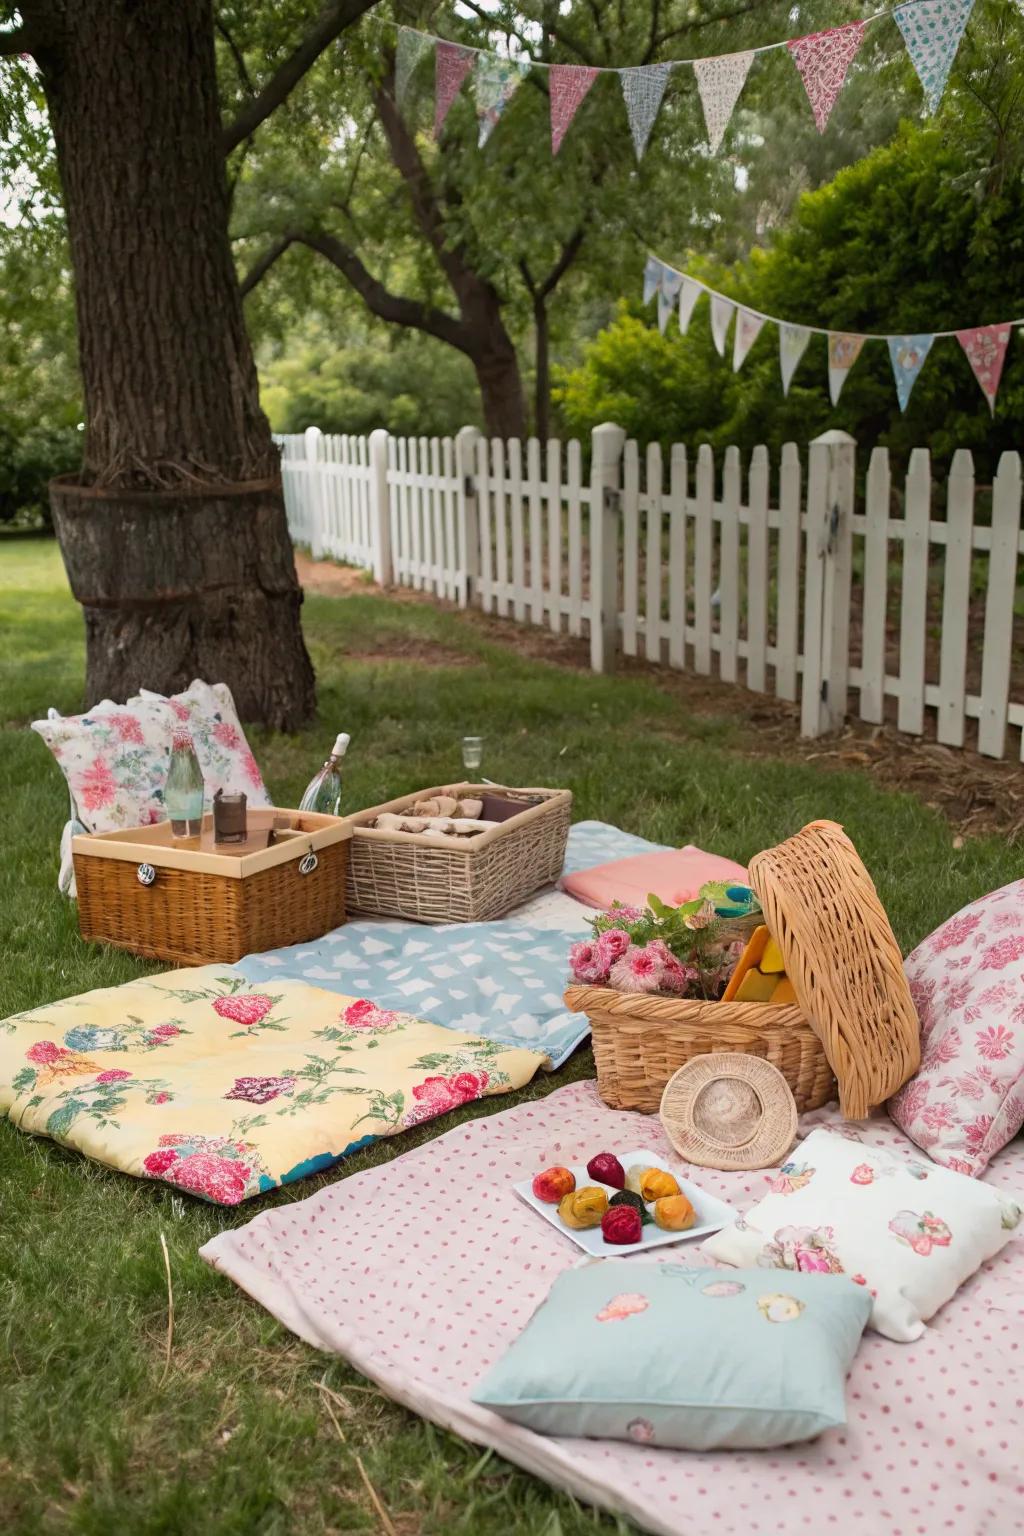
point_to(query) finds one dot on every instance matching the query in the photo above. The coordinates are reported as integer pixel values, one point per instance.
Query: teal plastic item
(694, 1359)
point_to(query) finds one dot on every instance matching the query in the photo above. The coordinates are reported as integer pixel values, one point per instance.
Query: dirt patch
(978, 796)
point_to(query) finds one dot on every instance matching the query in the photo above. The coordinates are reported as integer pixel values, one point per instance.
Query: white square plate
(712, 1214)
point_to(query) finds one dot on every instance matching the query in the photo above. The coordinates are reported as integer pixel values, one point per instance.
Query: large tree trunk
(501, 391)
(179, 551)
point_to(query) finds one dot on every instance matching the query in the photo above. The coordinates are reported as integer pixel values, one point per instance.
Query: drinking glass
(472, 753)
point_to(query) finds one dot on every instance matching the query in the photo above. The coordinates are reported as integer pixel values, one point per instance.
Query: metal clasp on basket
(308, 863)
(146, 874)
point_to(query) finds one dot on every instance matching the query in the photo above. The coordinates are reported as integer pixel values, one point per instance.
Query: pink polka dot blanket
(376, 1268)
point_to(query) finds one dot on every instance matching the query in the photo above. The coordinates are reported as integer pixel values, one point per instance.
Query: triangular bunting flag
(495, 82)
(671, 282)
(748, 329)
(642, 90)
(823, 59)
(985, 346)
(932, 30)
(843, 352)
(412, 47)
(652, 278)
(721, 314)
(719, 82)
(907, 354)
(689, 293)
(568, 85)
(453, 64)
(793, 341)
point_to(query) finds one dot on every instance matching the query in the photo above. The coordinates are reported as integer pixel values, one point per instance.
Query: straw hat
(730, 1111)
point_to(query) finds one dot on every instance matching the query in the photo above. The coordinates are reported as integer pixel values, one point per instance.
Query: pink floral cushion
(967, 980)
(675, 877)
(115, 757)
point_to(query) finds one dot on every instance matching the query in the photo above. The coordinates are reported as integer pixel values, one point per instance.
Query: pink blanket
(421, 1271)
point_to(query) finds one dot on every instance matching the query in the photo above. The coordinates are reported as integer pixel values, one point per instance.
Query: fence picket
(554, 525)
(1002, 570)
(703, 534)
(652, 577)
(677, 558)
(485, 514)
(814, 590)
(875, 598)
(757, 570)
(956, 600)
(515, 502)
(533, 479)
(729, 568)
(575, 497)
(787, 615)
(914, 594)
(500, 501)
(630, 544)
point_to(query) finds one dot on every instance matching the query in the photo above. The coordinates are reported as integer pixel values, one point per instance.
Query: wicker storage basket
(191, 904)
(855, 1023)
(432, 879)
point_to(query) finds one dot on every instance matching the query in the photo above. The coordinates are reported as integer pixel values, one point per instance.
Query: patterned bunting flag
(719, 82)
(412, 46)
(652, 278)
(843, 352)
(671, 282)
(642, 90)
(568, 85)
(823, 59)
(907, 354)
(793, 341)
(452, 64)
(495, 82)
(721, 314)
(748, 329)
(932, 30)
(985, 346)
(689, 293)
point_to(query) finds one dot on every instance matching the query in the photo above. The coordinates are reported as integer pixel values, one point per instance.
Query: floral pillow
(967, 980)
(910, 1232)
(115, 760)
(208, 710)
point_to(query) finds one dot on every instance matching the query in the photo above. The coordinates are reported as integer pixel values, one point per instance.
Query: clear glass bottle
(323, 793)
(183, 792)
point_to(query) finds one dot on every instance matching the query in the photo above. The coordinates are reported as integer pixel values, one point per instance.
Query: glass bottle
(323, 792)
(183, 792)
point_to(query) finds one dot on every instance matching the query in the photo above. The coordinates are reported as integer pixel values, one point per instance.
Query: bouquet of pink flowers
(657, 948)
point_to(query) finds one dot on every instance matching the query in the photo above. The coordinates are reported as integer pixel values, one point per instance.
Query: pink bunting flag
(568, 84)
(823, 59)
(453, 65)
(985, 346)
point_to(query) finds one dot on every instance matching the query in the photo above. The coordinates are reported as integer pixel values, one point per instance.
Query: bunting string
(931, 31)
(984, 346)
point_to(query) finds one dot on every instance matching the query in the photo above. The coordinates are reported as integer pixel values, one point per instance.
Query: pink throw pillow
(675, 877)
(967, 981)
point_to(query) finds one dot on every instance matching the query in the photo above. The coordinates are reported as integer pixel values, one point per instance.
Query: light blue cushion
(698, 1359)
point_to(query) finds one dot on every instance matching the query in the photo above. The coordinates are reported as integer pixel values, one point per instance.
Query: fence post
(313, 498)
(835, 617)
(380, 509)
(468, 516)
(605, 513)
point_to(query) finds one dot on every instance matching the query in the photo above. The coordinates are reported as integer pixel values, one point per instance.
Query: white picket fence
(785, 582)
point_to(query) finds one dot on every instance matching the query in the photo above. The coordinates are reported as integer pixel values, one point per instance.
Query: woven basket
(138, 891)
(431, 879)
(855, 1021)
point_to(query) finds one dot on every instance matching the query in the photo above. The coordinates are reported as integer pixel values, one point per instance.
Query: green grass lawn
(93, 1439)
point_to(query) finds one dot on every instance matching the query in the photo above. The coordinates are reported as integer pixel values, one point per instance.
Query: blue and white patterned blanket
(503, 980)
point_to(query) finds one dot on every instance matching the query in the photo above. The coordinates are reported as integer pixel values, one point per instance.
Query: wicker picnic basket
(193, 903)
(434, 879)
(855, 1025)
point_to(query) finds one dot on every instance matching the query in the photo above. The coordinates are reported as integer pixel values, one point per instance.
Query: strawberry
(244, 1010)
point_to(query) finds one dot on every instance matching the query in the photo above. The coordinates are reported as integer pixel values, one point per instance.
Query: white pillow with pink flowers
(967, 980)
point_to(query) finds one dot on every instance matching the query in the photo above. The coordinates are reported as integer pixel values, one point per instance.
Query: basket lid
(843, 960)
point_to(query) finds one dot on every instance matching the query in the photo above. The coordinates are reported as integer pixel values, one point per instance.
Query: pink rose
(160, 1098)
(45, 1052)
(611, 946)
(437, 1095)
(226, 734)
(128, 728)
(116, 1076)
(1002, 954)
(813, 1261)
(363, 1014)
(158, 1162)
(97, 786)
(639, 970)
(956, 931)
(588, 964)
(165, 1031)
(220, 1179)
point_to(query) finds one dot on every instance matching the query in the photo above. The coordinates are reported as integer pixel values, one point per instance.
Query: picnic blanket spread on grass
(503, 980)
(225, 1089)
(377, 1268)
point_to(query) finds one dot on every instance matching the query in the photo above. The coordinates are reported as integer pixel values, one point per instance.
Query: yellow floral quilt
(206, 1081)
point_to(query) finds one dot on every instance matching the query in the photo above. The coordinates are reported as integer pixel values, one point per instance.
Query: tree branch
(332, 21)
(570, 251)
(384, 304)
(262, 265)
(236, 53)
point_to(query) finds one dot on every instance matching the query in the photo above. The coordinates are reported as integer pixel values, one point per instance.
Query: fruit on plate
(583, 1208)
(651, 1183)
(629, 1197)
(552, 1184)
(621, 1224)
(674, 1213)
(607, 1169)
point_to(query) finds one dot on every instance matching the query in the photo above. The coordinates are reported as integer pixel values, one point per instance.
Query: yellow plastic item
(756, 945)
(772, 959)
(755, 988)
(785, 992)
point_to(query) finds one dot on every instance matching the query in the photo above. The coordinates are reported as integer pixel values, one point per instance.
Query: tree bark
(542, 365)
(175, 438)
